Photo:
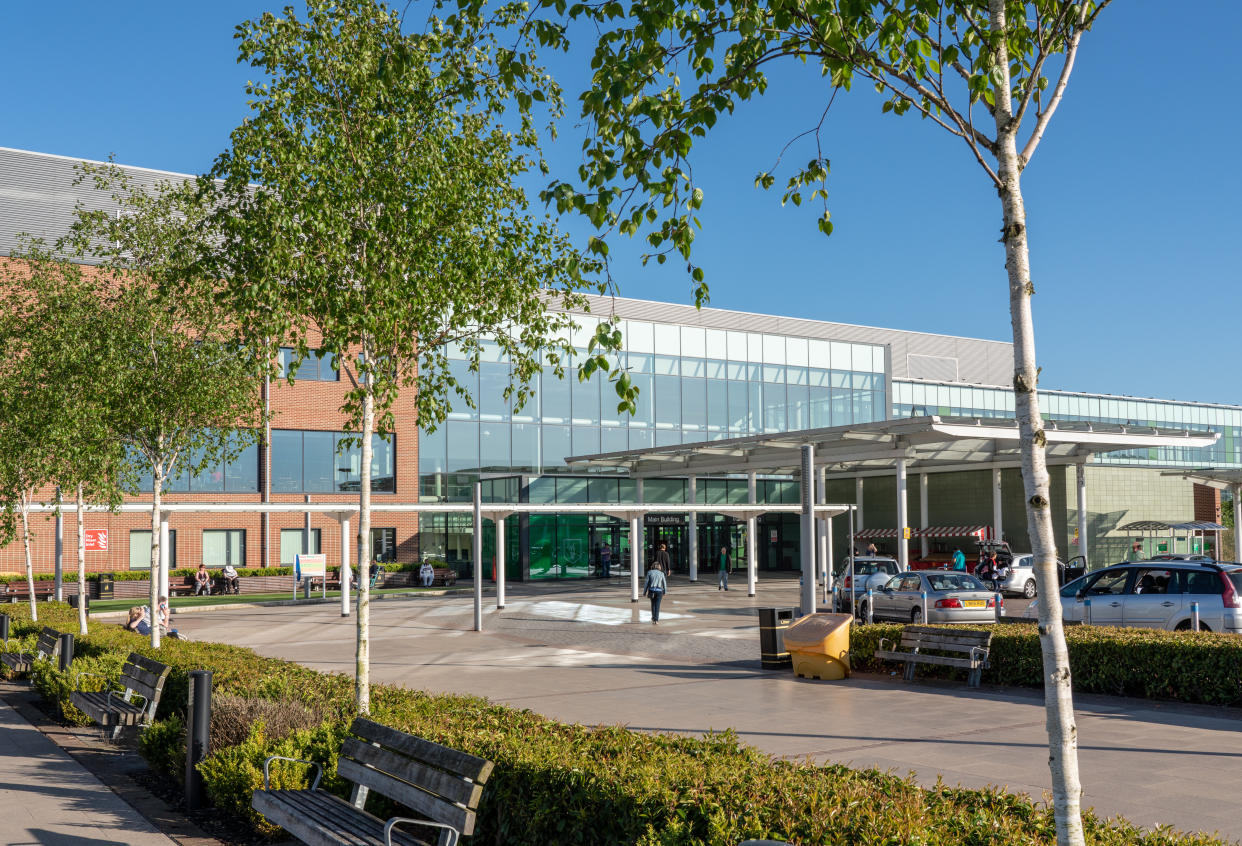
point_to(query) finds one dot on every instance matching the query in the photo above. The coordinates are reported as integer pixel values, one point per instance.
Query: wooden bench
(974, 645)
(440, 783)
(47, 647)
(114, 707)
(20, 591)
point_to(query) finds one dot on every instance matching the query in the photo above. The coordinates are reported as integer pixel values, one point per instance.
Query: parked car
(1156, 595)
(1021, 579)
(871, 571)
(952, 597)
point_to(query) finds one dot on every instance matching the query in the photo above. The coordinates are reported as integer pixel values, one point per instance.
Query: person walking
(662, 560)
(959, 560)
(605, 562)
(723, 581)
(654, 589)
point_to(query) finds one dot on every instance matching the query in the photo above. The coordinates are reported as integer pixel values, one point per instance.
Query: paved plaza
(587, 654)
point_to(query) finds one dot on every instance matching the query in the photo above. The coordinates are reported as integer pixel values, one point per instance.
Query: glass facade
(240, 475)
(321, 462)
(915, 399)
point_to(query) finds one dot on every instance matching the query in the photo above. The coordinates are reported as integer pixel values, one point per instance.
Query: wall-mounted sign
(96, 540)
(665, 519)
(905, 533)
(772, 535)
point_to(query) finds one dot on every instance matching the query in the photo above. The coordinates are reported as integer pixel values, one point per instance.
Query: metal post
(923, 522)
(828, 559)
(807, 480)
(344, 566)
(752, 535)
(693, 527)
(1086, 611)
(870, 607)
(59, 584)
(903, 517)
(1080, 473)
(1237, 522)
(1000, 605)
(636, 553)
(1194, 616)
(858, 503)
(198, 737)
(66, 651)
(476, 551)
(500, 563)
(164, 556)
(823, 557)
(925, 617)
(997, 516)
(4, 630)
(850, 558)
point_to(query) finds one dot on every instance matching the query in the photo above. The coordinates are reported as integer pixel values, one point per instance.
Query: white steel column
(858, 501)
(997, 516)
(476, 552)
(1080, 472)
(828, 559)
(923, 513)
(903, 517)
(500, 563)
(345, 566)
(693, 517)
(164, 556)
(807, 551)
(752, 535)
(1237, 522)
(636, 554)
(823, 555)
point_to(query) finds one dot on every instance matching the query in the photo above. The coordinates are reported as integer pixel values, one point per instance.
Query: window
(239, 475)
(224, 546)
(291, 544)
(384, 545)
(140, 549)
(1202, 582)
(318, 462)
(1109, 584)
(318, 366)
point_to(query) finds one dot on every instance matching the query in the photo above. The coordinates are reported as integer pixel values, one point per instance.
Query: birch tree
(182, 393)
(368, 210)
(991, 73)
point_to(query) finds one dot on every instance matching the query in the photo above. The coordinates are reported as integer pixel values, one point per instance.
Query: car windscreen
(954, 581)
(868, 568)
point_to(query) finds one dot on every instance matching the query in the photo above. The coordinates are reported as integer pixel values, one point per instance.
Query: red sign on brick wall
(96, 540)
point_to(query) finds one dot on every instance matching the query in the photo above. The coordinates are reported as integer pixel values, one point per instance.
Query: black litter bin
(105, 586)
(73, 600)
(772, 625)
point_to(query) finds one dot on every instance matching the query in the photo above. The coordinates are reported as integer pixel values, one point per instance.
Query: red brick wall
(1207, 503)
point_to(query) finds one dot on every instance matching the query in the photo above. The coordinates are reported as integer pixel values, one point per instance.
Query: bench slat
(920, 658)
(142, 682)
(944, 647)
(417, 800)
(947, 635)
(448, 786)
(320, 819)
(18, 662)
(108, 713)
(452, 760)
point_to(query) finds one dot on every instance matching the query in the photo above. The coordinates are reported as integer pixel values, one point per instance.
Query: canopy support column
(164, 556)
(345, 567)
(1080, 474)
(824, 552)
(476, 552)
(997, 517)
(693, 518)
(858, 501)
(903, 517)
(636, 553)
(807, 480)
(752, 534)
(1237, 521)
(923, 548)
(500, 563)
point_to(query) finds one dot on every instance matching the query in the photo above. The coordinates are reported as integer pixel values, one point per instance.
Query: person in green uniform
(723, 582)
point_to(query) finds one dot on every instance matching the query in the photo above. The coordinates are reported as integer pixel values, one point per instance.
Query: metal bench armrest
(979, 653)
(388, 826)
(883, 641)
(267, 775)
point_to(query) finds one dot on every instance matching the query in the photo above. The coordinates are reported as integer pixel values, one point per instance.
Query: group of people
(202, 580)
(656, 583)
(989, 570)
(140, 619)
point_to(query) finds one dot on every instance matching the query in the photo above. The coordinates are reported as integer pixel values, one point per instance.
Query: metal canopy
(1216, 477)
(927, 444)
(1161, 526)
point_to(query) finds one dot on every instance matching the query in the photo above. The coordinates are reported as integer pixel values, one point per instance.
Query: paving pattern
(587, 654)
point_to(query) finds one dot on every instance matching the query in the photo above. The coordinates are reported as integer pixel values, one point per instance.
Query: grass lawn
(102, 606)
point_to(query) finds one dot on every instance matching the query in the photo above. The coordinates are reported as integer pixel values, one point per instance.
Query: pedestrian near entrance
(605, 562)
(723, 583)
(959, 560)
(661, 559)
(1136, 551)
(654, 589)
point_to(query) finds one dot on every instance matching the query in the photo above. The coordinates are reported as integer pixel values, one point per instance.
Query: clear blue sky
(1132, 199)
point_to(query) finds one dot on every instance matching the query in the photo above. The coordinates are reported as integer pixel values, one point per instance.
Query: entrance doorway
(673, 534)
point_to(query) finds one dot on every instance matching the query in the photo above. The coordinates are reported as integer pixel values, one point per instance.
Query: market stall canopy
(980, 532)
(927, 444)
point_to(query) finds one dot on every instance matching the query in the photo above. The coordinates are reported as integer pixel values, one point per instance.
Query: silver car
(1156, 595)
(952, 597)
(1021, 581)
(867, 572)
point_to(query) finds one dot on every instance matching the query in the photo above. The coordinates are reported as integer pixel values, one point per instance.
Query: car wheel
(1028, 589)
(1184, 626)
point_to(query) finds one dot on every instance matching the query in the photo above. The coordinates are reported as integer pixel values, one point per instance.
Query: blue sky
(1131, 200)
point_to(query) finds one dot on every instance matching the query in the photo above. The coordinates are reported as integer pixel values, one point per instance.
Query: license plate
(975, 603)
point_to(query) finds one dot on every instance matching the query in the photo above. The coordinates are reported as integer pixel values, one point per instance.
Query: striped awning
(863, 534)
(980, 532)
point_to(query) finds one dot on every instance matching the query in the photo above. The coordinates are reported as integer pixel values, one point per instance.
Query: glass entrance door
(675, 536)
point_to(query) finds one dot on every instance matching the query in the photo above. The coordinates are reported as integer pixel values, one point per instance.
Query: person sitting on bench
(202, 581)
(229, 574)
(427, 573)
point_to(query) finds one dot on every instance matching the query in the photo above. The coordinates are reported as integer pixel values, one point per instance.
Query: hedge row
(567, 784)
(140, 575)
(1199, 667)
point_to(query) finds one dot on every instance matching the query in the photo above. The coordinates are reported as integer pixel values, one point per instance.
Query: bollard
(1000, 605)
(4, 630)
(1086, 610)
(870, 607)
(66, 651)
(198, 737)
(1194, 616)
(306, 587)
(925, 617)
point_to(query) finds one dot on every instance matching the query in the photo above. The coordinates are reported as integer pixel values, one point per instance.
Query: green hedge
(1200, 667)
(567, 784)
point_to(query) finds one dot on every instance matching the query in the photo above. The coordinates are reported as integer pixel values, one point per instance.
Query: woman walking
(654, 589)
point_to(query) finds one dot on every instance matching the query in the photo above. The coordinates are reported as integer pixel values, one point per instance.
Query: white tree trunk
(24, 504)
(1058, 694)
(363, 656)
(157, 489)
(81, 561)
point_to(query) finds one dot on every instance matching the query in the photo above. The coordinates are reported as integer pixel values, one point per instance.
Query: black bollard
(4, 629)
(198, 737)
(66, 651)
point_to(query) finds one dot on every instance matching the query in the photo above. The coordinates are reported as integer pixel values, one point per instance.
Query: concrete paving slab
(51, 800)
(591, 656)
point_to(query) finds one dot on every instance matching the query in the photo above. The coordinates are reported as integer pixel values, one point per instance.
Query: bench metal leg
(975, 677)
(909, 673)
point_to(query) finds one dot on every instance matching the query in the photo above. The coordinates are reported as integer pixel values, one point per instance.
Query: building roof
(926, 443)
